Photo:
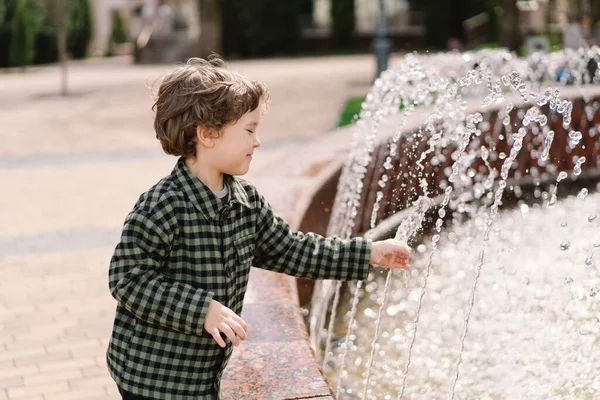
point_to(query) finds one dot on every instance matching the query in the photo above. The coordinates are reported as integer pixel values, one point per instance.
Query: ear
(206, 136)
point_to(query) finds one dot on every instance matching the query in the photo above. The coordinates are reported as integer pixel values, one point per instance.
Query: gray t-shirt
(223, 194)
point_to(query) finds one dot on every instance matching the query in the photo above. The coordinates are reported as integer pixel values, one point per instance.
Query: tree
(261, 27)
(594, 15)
(61, 22)
(343, 23)
(79, 27)
(210, 21)
(54, 36)
(509, 26)
(119, 33)
(22, 36)
(2, 10)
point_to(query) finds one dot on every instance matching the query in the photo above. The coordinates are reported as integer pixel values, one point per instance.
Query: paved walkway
(71, 168)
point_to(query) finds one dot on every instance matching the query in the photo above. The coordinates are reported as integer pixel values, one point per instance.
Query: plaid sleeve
(308, 255)
(136, 280)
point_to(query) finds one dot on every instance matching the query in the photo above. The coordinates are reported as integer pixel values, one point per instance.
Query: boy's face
(234, 148)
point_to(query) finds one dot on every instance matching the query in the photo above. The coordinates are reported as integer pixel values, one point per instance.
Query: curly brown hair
(201, 93)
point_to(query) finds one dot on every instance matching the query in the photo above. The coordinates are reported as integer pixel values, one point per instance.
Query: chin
(239, 172)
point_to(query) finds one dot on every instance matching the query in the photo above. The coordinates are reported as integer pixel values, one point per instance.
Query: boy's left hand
(390, 253)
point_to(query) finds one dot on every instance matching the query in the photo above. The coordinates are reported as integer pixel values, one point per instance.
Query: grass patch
(351, 110)
(481, 46)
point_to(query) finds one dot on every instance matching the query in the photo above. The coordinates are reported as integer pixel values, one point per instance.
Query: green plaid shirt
(181, 247)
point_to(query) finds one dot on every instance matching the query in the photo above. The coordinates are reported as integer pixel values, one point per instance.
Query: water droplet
(552, 201)
(568, 280)
(565, 245)
(542, 120)
(562, 175)
(594, 291)
(584, 332)
(577, 167)
(547, 144)
(588, 259)
(575, 137)
(592, 217)
(484, 153)
(582, 194)
(563, 224)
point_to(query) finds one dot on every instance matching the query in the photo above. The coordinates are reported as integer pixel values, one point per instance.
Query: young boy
(180, 271)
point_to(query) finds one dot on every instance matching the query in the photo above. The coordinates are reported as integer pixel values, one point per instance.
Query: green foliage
(481, 46)
(351, 110)
(555, 41)
(438, 20)
(2, 10)
(343, 23)
(5, 30)
(22, 35)
(41, 16)
(492, 9)
(79, 27)
(119, 32)
(13, 14)
(46, 46)
(443, 19)
(260, 27)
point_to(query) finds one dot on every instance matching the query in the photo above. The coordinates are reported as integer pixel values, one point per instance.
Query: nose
(256, 142)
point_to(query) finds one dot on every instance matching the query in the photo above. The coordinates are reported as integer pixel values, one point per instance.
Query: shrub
(343, 23)
(351, 110)
(2, 10)
(22, 35)
(118, 32)
(79, 27)
(260, 27)
(41, 15)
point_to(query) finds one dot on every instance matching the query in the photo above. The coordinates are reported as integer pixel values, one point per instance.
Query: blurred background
(77, 145)
(164, 31)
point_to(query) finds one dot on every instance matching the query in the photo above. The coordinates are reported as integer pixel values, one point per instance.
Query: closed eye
(250, 131)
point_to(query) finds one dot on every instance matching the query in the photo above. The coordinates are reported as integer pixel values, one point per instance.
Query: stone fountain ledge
(277, 361)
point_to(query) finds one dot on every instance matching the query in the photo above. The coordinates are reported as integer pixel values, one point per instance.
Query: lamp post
(381, 44)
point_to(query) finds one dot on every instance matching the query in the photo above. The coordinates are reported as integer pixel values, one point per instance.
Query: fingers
(395, 260)
(238, 329)
(392, 253)
(240, 322)
(237, 324)
(217, 336)
(226, 329)
(220, 319)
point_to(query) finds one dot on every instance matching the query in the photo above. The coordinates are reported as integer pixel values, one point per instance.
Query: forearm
(155, 299)
(315, 257)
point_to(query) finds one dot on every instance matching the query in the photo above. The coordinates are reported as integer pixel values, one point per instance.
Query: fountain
(486, 163)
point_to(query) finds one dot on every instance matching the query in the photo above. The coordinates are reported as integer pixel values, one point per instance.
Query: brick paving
(71, 168)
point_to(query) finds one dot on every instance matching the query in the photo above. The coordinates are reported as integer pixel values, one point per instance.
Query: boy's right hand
(222, 319)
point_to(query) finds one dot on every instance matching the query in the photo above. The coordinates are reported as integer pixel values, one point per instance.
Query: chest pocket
(244, 250)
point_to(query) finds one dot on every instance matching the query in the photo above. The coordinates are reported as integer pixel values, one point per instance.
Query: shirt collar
(203, 198)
